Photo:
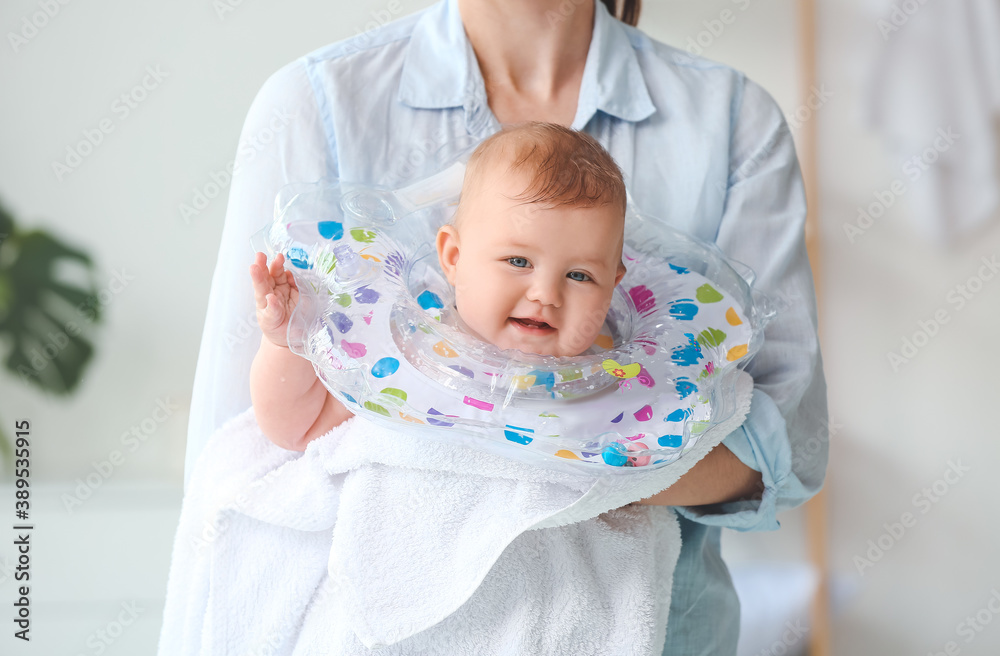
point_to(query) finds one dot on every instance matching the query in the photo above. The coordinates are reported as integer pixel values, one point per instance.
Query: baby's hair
(565, 167)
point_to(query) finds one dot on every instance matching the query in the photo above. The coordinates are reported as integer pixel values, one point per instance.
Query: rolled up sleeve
(785, 435)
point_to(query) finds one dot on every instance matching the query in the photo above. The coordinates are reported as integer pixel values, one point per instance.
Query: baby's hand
(276, 294)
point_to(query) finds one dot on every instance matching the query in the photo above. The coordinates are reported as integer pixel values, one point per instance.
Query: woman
(700, 146)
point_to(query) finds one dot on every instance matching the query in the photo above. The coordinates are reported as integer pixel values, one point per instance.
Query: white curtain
(937, 71)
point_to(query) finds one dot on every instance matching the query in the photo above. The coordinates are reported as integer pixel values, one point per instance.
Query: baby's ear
(621, 272)
(447, 248)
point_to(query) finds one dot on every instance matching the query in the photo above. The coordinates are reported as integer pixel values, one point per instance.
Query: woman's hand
(276, 294)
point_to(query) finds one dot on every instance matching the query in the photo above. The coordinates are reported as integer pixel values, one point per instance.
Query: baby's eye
(579, 276)
(519, 262)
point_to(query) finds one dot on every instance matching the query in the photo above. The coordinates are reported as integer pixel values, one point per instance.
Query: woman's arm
(781, 448)
(785, 436)
(719, 477)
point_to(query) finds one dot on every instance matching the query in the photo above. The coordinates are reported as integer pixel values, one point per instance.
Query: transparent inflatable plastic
(376, 318)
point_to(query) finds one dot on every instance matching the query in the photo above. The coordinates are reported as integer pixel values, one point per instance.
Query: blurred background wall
(909, 310)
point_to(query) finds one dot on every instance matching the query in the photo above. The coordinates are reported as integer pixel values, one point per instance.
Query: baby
(534, 255)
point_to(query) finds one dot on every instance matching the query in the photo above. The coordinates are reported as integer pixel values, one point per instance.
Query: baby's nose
(546, 291)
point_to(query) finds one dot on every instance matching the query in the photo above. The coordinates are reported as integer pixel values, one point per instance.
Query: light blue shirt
(700, 146)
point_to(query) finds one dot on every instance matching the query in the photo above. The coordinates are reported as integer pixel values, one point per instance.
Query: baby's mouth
(532, 325)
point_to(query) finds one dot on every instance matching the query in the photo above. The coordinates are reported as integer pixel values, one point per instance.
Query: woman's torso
(398, 103)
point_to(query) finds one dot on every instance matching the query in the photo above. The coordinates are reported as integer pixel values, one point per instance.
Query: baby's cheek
(474, 308)
(577, 338)
(463, 288)
(585, 328)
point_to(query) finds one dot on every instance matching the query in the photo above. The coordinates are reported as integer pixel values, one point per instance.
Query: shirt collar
(434, 78)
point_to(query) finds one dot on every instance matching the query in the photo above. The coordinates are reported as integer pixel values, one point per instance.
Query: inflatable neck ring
(376, 318)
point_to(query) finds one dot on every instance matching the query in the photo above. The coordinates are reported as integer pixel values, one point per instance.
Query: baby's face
(531, 277)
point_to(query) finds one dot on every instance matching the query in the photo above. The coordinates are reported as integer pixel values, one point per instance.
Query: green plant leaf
(47, 322)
